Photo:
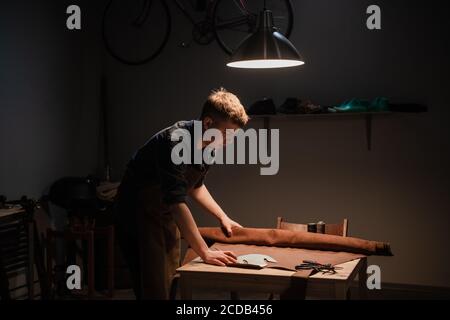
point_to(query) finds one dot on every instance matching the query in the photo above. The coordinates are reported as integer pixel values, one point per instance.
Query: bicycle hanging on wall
(136, 31)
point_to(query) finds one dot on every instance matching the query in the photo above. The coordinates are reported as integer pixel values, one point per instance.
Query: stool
(88, 234)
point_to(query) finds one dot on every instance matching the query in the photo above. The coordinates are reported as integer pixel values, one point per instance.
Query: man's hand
(202, 196)
(220, 258)
(189, 230)
(227, 224)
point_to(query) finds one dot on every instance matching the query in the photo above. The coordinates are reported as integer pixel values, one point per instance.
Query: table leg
(110, 254)
(50, 255)
(362, 279)
(91, 263)
(185, 288)
(30, 273)
(234, 295)
(341, 291)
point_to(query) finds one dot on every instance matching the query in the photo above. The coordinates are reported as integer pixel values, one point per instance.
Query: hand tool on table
(317, 267)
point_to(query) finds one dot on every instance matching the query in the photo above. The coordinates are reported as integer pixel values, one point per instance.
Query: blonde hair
(226, 106)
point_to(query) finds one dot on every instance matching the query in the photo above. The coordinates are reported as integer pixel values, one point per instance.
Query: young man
(151, 202)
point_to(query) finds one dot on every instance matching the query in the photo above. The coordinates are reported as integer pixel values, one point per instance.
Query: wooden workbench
(198, 275)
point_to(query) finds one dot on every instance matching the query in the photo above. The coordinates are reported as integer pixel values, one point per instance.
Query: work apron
(159, 245)
(149, 237)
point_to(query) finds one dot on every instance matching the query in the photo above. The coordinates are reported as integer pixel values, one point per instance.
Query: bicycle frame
(209, 13)
(205, 21)
(182, 8)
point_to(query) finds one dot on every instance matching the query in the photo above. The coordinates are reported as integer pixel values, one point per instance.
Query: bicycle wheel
(135, 32)
(234, 20)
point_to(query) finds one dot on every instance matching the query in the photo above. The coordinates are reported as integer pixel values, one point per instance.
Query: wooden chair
(87, 233)
(340, 229)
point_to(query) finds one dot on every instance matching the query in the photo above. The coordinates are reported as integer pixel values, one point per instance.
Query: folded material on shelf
(358, 105)
(299, 106)
(262, 107)
(290, 106)
(297, 239)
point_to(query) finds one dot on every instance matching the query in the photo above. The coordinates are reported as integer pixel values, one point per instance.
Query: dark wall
(49, 97)
(397, 192)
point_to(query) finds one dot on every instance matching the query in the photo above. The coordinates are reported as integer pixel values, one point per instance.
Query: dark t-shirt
(152, 166)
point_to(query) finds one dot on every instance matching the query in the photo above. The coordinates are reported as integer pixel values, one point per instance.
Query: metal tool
(317, 267)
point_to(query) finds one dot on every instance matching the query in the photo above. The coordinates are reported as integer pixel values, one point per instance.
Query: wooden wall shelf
(368, 116)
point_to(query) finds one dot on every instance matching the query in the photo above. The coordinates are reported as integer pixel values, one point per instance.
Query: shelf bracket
(369, 131)
(267, 123)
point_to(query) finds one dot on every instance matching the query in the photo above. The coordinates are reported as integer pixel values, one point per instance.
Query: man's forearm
(204, 199)
(188, 228)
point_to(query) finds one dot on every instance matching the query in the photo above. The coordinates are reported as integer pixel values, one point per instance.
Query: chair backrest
(340, 229)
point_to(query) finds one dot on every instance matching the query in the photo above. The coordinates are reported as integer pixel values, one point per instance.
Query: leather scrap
(297, 239)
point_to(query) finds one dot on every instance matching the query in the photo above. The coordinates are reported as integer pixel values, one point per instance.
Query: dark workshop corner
(386, 172)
